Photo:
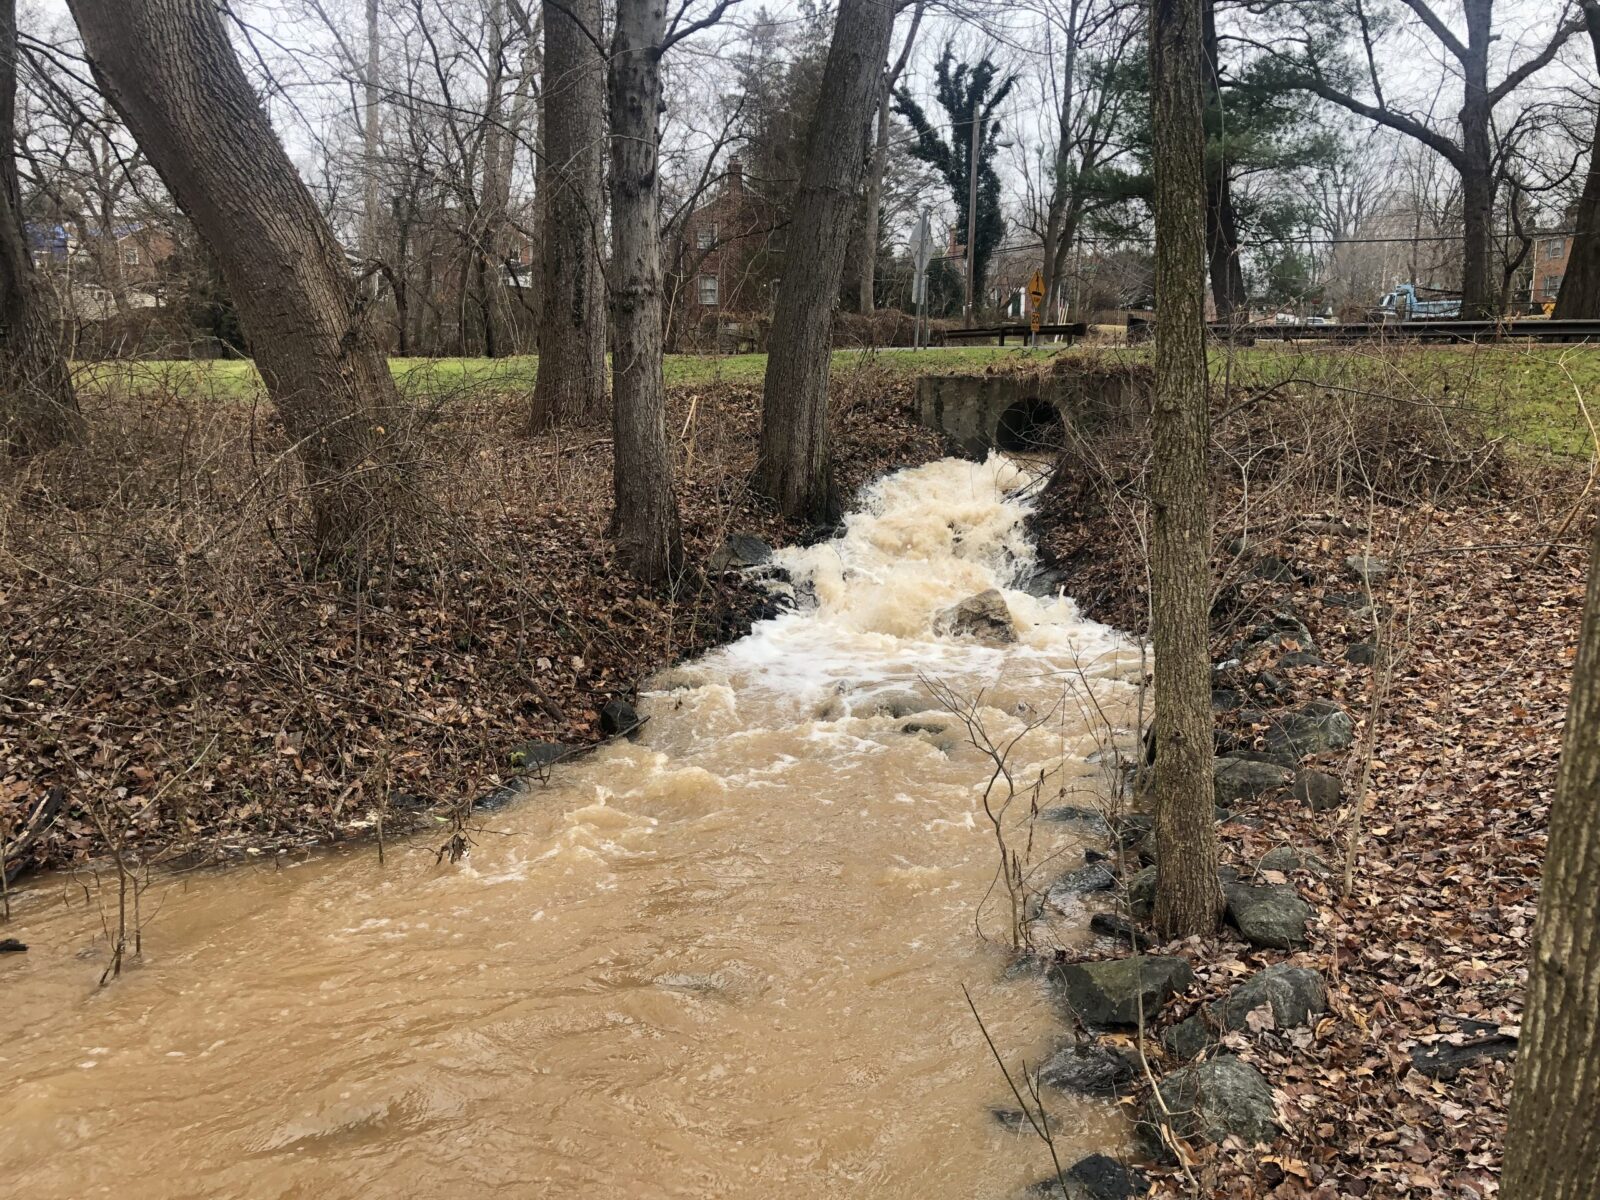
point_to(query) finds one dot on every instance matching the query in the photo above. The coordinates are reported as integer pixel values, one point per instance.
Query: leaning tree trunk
(571, 385)
(1553, 1145)
(795, 467)
(1188, 899)
(169, 69)
(38, 409)
(1580, 287)
(648, 535)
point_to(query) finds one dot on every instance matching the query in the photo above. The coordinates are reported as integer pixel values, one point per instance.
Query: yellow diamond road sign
(1036, 288)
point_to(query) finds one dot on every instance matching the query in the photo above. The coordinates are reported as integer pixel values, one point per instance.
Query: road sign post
(1035, 302)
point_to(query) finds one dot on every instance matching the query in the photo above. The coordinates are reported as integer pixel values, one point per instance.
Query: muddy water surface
(724, 960)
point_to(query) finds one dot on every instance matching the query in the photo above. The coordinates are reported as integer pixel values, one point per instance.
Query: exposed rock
(1114, 925)
(618, 717)
(1280, 628)
(538, 754)
(1090, 1069)
(1095, 877)
(1280, 858)
(1240, 778)
(1316, 727)
(1187, 1038)
(675, 679)
(1299, 658)
(1271, 915)
(1101, 1178)
(1295, 995)
(1363, 654)
(1142, 894)
(409, 802)
(1273, 569)
(923, 727)
(1220, 1097)
(1476, 1041)
(12, 946)
(1089, 820)
(1045, 582)
(1112, 994)
(1318, 790)
(1367, 569)
(1224, 699)
(1011, 1119)
(899, 704)
(740, 551)
(984, 617)
(1132, 828)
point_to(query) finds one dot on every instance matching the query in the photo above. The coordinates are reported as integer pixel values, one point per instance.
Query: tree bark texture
(1580, 287)
(645, 522)
(1553, 1144)
(570, 388)
(866, 285)
(1188, 897)
(795, 467)
(1222, 222)
(38, 409)
(170, 71)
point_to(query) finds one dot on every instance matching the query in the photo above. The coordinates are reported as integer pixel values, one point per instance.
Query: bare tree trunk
(570, 388)
(795, 467)
(169, 69)
(1188, 898)
(1477, 166)
(1553, 1144)
(879, 165)
(371, 207)
(38, 409)
(1580, 287)
(1222, 222)
(649, 537)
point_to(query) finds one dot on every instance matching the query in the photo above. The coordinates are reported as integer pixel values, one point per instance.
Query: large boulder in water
(740, 552)
(1115, 994)
(983, 617)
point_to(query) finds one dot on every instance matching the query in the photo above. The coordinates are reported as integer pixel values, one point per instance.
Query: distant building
(714, 257)
(1551, 253)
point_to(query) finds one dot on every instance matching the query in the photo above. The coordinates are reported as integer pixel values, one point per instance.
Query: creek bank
(272, 712)
(1459, 793)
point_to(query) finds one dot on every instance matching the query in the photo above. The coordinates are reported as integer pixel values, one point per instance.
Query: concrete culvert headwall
(1030, 425)
(1033, 410)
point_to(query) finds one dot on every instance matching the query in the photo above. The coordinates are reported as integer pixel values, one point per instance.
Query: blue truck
(1405, 304)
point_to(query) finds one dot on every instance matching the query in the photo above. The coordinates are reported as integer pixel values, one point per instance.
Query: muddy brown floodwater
(724, 960)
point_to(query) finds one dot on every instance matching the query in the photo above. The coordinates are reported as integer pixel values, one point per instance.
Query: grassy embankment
(1528, 393)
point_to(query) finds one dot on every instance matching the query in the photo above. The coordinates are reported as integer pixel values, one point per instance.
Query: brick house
(718, 259)
(1551, 254)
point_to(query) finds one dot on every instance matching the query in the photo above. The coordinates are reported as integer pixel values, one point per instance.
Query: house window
(130, 255)
(1552, 286)
(1555, 247)
(706, 236)
(708, 291)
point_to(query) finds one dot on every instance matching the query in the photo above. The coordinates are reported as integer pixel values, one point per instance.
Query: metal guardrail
(1440, 330)
(1075, 329)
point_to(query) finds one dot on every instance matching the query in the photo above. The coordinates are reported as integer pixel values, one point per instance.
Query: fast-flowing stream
(725, 959)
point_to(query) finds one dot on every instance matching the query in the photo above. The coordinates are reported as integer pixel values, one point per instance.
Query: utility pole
(972, 215)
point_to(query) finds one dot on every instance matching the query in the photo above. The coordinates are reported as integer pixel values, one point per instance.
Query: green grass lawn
(1530, 393)
(237, 380)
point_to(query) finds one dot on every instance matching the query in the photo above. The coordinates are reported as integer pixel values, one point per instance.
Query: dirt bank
(1402, 1090)
(184, 690)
